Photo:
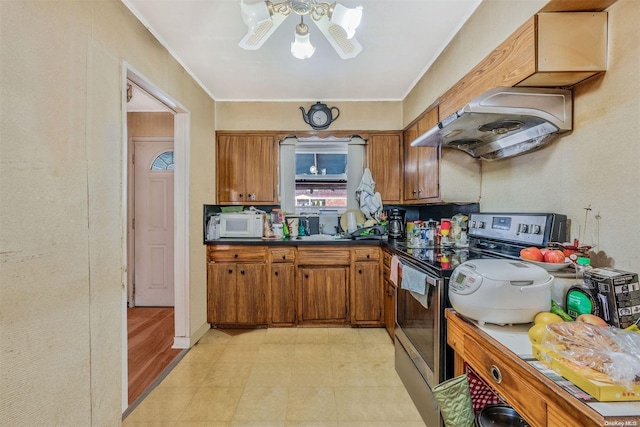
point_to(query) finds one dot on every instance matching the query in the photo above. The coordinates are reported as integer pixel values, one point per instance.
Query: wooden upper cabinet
(549, 50)
(246, 169)
(384, 157)
(421, 164)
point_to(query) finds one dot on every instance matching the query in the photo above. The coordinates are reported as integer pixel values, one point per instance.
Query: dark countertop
(294, 242)
(429, 258)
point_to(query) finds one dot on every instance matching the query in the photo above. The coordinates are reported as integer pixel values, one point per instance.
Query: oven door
(419, 327)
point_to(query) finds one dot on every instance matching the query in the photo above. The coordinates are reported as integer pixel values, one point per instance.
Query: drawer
(325, 255)
(386, 272)
(232, 253)
(283, 255)
(386, 259)
(501, 375)
(366, 254)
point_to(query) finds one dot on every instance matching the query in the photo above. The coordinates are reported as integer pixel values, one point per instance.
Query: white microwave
(241, 225)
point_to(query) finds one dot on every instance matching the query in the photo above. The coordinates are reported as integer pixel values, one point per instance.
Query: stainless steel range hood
(504, 122)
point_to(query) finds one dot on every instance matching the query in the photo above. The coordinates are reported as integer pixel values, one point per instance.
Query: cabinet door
(366, 294)
(410, 175)
(421, 164)
(428, 160)
(230, 170)
(251, 291)
(390, 308)
(324, 294)
(384, 154)
(221, 298)
(260, 169)
(283, 293)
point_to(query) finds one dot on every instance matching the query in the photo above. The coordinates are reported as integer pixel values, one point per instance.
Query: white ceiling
(400, 40)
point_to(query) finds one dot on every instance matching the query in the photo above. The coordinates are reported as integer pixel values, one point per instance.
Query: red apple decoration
(532, 254)
(591, 319)
(554, 257)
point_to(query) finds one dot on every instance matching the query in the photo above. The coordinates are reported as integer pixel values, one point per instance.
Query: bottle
(583, 264)
(581, 298)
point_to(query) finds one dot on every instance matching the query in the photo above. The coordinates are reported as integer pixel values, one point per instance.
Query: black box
(618, 293)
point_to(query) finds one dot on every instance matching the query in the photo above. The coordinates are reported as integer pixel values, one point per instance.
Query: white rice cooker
(500, 291)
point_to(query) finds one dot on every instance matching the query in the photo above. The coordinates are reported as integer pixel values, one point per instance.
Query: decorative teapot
(319, 115)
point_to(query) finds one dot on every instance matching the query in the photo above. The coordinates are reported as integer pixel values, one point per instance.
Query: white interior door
(153, 224)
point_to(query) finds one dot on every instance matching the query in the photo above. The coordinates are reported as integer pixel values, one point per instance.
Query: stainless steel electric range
(422, 357)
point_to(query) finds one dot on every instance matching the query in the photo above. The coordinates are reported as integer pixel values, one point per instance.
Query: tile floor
(285, 377)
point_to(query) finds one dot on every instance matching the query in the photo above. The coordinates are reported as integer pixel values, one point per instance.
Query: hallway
(150, 332)
(286, 377)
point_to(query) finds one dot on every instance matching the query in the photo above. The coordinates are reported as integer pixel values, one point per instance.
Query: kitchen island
(502, 357)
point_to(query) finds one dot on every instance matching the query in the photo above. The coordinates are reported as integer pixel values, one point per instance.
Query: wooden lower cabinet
(237, 285)
(323, 294)
(390, 292)
(237, 293)
(282, 287)
(288, 286)
(366, 287)
(367, 294)
(539, 400)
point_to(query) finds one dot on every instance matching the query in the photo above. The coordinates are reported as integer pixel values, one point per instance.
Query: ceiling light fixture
(301, 47)
(336, 22)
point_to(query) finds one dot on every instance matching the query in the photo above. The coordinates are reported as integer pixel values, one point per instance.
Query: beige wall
(61, 256)
(287, 115)
(491, 24)
(597, 165)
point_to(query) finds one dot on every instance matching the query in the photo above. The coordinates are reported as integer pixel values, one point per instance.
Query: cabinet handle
(419, 190)
(414, 192)
(240, 194)
(496, 374)
(235, 255)
(276, 273)
(252, 196)
(368, 256)
(306, 276)
(360, 271)
(242, 272)
(284, 257)
(230, 271)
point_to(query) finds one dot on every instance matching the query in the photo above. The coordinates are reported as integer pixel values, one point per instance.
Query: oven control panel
(535, 229)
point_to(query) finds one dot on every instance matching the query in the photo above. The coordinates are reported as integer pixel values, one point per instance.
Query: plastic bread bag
(600, 353)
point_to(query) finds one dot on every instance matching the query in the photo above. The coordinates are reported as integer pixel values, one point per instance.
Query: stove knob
(472, 224)
(480, 224)
(535, 229)
(523, 228)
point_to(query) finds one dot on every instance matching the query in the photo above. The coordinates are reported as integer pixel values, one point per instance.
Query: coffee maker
(396, 218)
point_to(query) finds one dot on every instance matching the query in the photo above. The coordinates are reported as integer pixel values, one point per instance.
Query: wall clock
(319, 115)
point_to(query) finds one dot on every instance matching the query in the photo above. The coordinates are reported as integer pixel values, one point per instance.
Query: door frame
(181, 153)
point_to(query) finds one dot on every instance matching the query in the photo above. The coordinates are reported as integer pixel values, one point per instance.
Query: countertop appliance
(504, 122)
(501, 291)
(241, 224)
(396, 223)
(422, 357)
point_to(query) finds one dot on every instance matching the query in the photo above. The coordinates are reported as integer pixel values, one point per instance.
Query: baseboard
(188, 342)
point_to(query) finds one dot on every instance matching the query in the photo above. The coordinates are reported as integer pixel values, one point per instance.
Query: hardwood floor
(150, 337)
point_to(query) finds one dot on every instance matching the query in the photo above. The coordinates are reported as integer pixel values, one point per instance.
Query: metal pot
(499, 416)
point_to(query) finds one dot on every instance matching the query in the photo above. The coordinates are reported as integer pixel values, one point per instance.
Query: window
(164, 162)
(320, 175)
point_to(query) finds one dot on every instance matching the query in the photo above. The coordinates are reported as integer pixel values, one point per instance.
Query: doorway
(165, 152)
(152, 223)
